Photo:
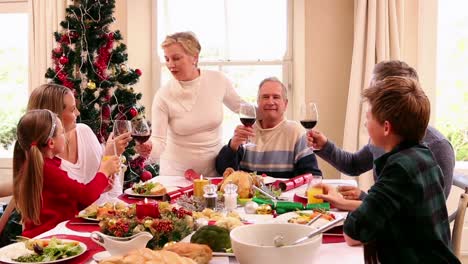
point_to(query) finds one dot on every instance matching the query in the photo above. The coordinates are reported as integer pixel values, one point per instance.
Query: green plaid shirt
(405, 212)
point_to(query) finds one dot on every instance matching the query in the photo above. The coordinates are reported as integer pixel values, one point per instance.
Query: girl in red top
(44, 194)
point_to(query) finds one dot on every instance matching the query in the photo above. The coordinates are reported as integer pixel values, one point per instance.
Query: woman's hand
(316, 139)
(121, 143)
(110, 165)
(240, 136)
(144, 149)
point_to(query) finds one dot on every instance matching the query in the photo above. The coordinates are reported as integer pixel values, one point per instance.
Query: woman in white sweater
(83, 152)
(188, 111)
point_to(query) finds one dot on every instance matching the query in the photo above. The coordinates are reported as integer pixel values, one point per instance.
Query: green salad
(50, 250)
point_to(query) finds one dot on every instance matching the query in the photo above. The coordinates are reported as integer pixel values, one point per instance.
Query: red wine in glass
(141, 138)
(308, 124)
(248, 122)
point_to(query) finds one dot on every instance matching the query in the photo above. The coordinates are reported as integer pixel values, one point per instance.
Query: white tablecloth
(328, 253)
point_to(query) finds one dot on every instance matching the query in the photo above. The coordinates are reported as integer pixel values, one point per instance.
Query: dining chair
(458, 216)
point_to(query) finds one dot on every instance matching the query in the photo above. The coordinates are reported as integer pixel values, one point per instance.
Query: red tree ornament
(63, 60)
(145, 175)
(133, 112)
(138, 72)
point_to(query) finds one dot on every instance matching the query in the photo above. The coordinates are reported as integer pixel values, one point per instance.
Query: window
(13, 69)
(236, 38)
(452, 81)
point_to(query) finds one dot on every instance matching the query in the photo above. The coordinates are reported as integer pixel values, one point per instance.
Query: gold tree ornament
(91, 85)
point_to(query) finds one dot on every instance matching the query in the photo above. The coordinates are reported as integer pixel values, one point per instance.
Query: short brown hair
(186, 39)
(402, 102)
(390, 68)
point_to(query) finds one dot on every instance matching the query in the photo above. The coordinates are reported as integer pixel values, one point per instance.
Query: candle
(147, 209)
(198, 185)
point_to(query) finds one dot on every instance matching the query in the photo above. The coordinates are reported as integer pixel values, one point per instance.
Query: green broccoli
(217, 238)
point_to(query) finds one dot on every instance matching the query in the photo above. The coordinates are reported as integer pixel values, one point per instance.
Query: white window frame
(10, 6)
(286, 62)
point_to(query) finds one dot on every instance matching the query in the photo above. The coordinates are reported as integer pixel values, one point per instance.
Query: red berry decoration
(133, 112)
(138, 72)
(63, 60)
(146, 175)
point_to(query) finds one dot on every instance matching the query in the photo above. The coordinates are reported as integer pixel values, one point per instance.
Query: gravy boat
(121, 245)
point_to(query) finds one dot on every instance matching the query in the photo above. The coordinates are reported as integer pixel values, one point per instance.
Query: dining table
(332, 250)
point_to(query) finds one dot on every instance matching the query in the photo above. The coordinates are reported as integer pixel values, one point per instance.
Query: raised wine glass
(141, 131)
(309, 115)
(247, 115)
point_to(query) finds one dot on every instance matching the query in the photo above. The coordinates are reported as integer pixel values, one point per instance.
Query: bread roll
(202, 254)
(158, 189)
(148, 256)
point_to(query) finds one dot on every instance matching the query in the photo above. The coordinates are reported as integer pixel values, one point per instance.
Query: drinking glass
(314, 188)
(121, 127)
(309, 115)
(247, 115)
(141, 131)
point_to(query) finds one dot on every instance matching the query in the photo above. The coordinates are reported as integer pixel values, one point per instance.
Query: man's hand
(240, 136)
(349, 192)
(316, 139)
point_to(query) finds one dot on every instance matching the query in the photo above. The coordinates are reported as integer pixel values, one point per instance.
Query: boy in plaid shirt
(404, 213)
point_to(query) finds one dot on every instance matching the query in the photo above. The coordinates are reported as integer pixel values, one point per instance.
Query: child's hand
(349, 192)
(110, 181)
(110, 165)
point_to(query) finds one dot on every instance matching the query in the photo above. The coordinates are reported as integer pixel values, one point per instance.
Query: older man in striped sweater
(280, 145)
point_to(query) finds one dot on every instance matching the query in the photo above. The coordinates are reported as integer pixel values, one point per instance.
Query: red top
(63, 197)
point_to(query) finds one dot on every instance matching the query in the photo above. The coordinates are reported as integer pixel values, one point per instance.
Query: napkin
(284, 207)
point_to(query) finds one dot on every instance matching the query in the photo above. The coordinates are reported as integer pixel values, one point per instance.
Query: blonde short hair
(186, 39)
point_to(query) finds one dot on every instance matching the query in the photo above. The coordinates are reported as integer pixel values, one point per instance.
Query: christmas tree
(90, 59)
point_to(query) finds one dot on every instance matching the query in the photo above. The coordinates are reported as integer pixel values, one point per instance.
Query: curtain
(44, 19)
(378, 26)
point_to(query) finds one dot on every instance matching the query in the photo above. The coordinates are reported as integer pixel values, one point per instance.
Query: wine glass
(309, 115)
(247, 115)
(141, 131)
(121, 127)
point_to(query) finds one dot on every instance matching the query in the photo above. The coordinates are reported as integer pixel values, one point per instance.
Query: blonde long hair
(49, 96)
(34, 130)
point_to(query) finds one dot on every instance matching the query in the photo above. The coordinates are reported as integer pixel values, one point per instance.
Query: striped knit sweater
(280, 152)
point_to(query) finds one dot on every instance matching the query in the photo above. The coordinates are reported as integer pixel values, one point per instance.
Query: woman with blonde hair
(44, 194)
(188, 111)
(83, 152)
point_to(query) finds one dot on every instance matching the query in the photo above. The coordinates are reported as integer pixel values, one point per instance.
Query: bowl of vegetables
(255, 244)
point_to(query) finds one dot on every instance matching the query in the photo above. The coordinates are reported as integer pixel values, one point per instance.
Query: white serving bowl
(253, 244)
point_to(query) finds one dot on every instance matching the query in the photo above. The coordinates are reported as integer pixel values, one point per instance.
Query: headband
(54, 124)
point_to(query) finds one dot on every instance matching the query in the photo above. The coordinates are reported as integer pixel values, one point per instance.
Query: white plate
(10, 252)
(187, 239)
(332, 182)
(285, 217)
(89, 218)
(130, 192)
